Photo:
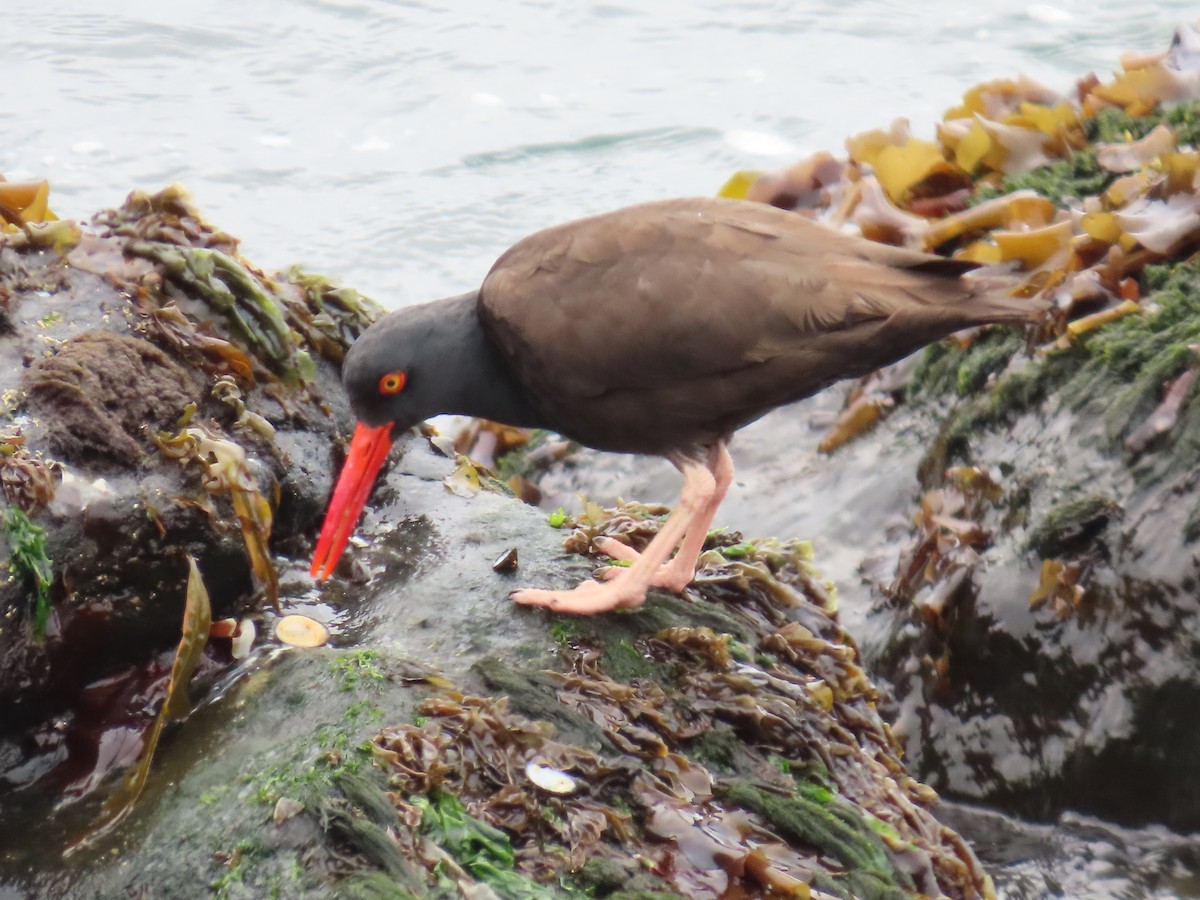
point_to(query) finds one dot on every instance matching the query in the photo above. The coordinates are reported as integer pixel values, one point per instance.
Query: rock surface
(149, 408)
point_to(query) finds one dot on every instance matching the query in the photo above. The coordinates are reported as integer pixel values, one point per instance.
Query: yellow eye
(392, 383)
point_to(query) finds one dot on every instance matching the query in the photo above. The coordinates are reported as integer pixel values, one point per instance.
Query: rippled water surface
(402, 145)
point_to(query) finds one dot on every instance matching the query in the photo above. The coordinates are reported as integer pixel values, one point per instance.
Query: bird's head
(390, 376)
(383, 376)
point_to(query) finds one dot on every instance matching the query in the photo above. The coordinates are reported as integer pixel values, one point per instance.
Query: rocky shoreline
(1009, 523)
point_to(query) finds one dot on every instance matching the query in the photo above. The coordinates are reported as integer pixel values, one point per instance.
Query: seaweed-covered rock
(727, 741)
(147, 417)
(167, 401)
(1055, 668)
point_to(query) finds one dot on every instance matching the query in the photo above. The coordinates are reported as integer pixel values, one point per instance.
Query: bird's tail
(996, 297)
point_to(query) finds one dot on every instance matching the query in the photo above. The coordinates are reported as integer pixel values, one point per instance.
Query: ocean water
(401, 145)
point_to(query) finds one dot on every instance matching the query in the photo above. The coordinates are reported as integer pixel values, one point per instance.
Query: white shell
(243, 640)
(550, 779)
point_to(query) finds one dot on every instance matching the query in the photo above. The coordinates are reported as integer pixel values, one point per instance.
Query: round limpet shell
(301, 631)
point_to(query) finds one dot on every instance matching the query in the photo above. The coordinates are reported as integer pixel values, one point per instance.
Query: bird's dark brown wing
(671, 291)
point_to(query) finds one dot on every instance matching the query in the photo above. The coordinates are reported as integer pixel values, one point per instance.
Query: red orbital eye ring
(392, 383)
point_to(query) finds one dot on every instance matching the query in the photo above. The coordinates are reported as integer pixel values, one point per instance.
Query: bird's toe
(589, 598)
(610, 546)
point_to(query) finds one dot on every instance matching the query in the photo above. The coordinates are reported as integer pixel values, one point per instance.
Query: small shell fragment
(550, 779)
(443, 445)
(286, 808)
(243, 639)
(506, 561)
(301, 631)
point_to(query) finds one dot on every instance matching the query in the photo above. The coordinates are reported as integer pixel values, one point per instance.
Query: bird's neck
(486, 387)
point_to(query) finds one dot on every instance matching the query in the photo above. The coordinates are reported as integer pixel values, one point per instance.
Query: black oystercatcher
(660, 328)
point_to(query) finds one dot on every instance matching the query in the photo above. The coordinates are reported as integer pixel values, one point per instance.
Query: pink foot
(589, 598)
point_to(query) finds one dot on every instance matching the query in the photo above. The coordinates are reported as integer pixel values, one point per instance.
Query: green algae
(1115, 375)
(717, 748)
(1074, 178)
(1185, 119)
(362, 817)
(737, 551)
(365, 789)
(240, 862)
(536, 695)
(356, 669)
(28, 559)
(990, 358)
(1191, 526)
(481, 849)
(668, 610)
(606, 877)
(346, 823)
(377, 886)
(622, 661)
(1131, 359)
(1124, 366)
(1070, 528)
(1113, 126)
(564, 632)
(343, 752)
(344, 792)
(306, 779)
(517, 462)
(835, 828)
(946, 368)
(619, 636)
(1080, 175)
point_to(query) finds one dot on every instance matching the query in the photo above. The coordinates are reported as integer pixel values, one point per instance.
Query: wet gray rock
(1082, 703)
(265, 723)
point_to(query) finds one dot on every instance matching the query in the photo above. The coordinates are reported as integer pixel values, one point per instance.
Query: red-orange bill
(368, 449)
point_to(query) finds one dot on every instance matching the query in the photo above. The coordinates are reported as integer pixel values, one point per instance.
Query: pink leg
(679, 572)
(629, 588)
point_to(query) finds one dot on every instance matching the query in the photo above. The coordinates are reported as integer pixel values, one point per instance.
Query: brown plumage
(659, 328)
(676, 322)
